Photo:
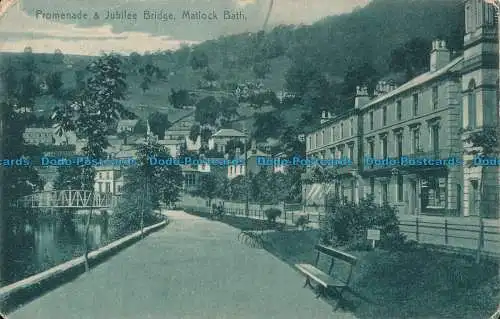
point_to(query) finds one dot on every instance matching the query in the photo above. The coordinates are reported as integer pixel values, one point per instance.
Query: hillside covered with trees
(320, 63)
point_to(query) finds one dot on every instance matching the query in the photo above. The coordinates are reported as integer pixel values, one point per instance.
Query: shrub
(347, 224)
(272, 214)
(302, 221)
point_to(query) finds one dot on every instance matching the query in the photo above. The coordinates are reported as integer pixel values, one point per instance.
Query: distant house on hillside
(37, 136)
(126, 126)
(181, 128)
(220, 138)
(252, 165)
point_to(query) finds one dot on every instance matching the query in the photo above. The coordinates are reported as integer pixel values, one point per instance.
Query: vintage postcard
(211, 159)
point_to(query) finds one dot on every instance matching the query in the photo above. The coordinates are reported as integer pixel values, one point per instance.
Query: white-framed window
(415, 145)
(384, 115)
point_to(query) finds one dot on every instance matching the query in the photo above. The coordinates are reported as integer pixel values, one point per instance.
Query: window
(434, 192)
(399, 144)
(385, 192)
(371, 147)
(230, 170)
(416, 141)
(322, 137)
(352, 127)
(383, 141)
(434, 97)
(400, 188)
(317, 140)
(108, 187)
(332, 133)
(371, 120)
(353, 190)
(398, 110)
(372, 185)
(415, 104)
(119, 189)
(341, 130)
(471, 104)
(341, 151)
(351, 152)
(384, 116)
(434, 134)
(309, 140)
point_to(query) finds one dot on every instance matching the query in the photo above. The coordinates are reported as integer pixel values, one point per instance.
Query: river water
(45, 239)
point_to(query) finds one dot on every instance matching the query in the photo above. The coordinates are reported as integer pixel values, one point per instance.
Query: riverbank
(411, 283)
(21, 292)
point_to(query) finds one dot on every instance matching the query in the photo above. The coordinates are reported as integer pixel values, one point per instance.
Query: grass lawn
(412, 283)
(415, 283)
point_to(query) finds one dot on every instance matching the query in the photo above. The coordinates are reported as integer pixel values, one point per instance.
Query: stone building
(428, 117)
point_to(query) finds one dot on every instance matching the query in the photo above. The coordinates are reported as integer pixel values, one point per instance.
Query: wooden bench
(327, 280)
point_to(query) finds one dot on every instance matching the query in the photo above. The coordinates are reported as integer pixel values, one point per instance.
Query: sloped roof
(127, 122)
(421, 79)
(40, 130)
(228, 132)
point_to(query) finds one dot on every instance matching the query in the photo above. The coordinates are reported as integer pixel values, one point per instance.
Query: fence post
(446, 231)
(416, 229)
(284, 211)
(481, 233)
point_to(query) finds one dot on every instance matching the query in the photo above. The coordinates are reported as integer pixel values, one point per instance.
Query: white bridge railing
(68, 199)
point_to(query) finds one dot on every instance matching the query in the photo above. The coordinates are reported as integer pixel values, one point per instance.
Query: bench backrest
(336, 254)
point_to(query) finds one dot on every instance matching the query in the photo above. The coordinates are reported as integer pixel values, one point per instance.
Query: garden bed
(410, 283)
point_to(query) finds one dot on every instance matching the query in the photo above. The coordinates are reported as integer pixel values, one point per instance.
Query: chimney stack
(440, 55)
(362, 97)
(324, 117)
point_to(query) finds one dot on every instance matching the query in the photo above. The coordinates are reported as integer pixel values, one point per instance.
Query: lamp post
(247, 188)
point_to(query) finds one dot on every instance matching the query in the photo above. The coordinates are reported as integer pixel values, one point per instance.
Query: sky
(21, 26)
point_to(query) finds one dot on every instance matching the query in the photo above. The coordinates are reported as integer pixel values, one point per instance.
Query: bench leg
(320, 292)
(340, 299)
(308, 283)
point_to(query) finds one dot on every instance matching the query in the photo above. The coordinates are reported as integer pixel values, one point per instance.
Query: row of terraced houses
(428, 117)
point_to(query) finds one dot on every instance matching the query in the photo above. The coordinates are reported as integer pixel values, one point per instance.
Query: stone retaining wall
(21, 292)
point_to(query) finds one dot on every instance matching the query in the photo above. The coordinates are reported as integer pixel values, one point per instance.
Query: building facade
(219, 139)
(429, 117)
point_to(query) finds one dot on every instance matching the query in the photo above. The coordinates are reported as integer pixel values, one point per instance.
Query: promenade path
(193, 268)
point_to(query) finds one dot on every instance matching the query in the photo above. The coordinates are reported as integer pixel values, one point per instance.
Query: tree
(158, 122)
(261, 69)
(55, 84)
(179, 98)
(411, 58)
(194, 132)
(145, 84)
(290, 143)
(232, 145)
(198, 60)
(58, 57)
(267, 125)
(79, 80)
(298, 76)
(207, 110)
(135, 59)
(68, 177)
(160, 182)
(210, 75)
(356, 75)
(92, 112)
(140, 127)
(208, 187)
(484, 143)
